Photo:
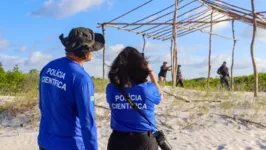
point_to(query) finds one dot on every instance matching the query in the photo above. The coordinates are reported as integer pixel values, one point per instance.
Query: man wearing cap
(163, 71)
(66, 95)
(179, 77)
(223, 71)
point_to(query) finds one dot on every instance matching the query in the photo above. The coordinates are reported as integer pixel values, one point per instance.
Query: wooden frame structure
(160, 27)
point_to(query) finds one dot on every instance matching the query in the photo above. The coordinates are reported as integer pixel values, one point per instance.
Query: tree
(14, 79)
(33, 71)
(1, 68)
(255, 70)
(16, 68)
(2, 76)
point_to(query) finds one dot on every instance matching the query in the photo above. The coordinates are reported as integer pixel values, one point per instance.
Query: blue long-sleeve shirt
(66, 94)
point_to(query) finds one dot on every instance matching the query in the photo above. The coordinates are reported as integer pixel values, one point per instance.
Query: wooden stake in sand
(210, 52)
(256, 82)
(175, 63)
(233, 56)
(171, 55)
(103, 30)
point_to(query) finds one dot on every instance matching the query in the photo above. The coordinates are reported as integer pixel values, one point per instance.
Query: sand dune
(188, 125)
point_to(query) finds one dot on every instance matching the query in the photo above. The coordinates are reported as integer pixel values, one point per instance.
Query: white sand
(194, 125)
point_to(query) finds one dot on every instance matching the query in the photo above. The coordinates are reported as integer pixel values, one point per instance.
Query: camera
(161, 140)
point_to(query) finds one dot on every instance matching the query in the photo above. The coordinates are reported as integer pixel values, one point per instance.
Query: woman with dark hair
(129, 73)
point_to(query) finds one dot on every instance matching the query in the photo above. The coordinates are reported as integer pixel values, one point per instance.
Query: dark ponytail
(128, 67)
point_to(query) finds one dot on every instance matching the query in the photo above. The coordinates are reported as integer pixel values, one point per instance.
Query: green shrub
(15, 82)
(241, 83)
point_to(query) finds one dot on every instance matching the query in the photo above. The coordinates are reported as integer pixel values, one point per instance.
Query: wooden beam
(166, 24)
(202, 27)
(144, 43)
(263, 20)
(233, 56)
(175, 61)
(134, 31)
(234, 15)
(171, 55)
(129, 12)
(210, 52)
(252, 48)
(152, 15)
(103, 31)
(190, 27)
(194, 9)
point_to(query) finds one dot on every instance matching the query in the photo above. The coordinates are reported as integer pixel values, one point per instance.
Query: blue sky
(29, 31)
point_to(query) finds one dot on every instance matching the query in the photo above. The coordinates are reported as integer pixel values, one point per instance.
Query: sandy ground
(191, 120)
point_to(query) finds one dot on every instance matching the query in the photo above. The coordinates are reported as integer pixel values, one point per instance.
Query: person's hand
(221, 75)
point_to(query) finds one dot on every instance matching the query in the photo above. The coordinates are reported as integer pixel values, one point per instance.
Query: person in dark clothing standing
(179, 77)
(223, 71)
(163, 71)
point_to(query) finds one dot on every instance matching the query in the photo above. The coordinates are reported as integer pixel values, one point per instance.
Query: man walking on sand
(223, 71)
(66, 94)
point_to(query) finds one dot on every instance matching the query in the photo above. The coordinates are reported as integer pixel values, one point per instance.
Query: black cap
(83, 39)
(224, 62)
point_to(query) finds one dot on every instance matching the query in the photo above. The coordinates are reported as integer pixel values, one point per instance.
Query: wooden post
(256, 82)
(210, 52)
(144, 43)
(103, 31)
(171, 55)
(233, 56)
(175, 63)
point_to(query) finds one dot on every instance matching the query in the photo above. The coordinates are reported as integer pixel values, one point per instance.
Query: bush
(15, 82)
(241, 83)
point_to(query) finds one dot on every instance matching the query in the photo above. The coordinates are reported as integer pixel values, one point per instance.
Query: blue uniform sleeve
(109, 92)
(152, 93)
(84, 94)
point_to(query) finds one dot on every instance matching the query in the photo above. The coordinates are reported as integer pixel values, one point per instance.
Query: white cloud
(261, 64)
(10, 61)
(94, 67)
(65, 8)
(221, 25)
(35, 61)
(248, 33)
(110, 4)
(111, 53)
(115, 49)
(38, 58)
(3, 43)
(155, 46)
(207, 18)
(192, 66)
(216, 61)
(23, 49)
(218, 17)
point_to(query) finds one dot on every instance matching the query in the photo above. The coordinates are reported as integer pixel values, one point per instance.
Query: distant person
(179, 77)
(66, 95)
(163, 72)
(223, 71)
(129, 73)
